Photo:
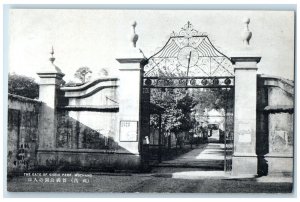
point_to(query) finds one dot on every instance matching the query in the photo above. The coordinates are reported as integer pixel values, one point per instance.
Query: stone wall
(88, 130)
(77, 132)
(87, 134)
(275, 125)
(89, 120)
(23, 116)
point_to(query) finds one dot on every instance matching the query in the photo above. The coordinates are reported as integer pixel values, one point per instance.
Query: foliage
(23, 86)
(186, 104)
(178, 106)
(82, 73)
(215, 98)
(181, 104)
(103, 72)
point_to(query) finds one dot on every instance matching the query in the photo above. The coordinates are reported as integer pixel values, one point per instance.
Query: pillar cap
(47, 74)
(129, 60)
(130, 55)
(51, 70)
(245, 59)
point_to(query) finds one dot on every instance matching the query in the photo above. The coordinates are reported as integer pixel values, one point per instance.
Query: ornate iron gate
(187, 60)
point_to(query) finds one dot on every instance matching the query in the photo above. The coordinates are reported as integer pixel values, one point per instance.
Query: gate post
(244, 159)
(129, 93)
(129, 98)
(50, 80)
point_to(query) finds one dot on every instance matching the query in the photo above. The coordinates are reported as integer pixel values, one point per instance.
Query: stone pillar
(244, 160)
(129, 90)
(50, 80)
(129, 98)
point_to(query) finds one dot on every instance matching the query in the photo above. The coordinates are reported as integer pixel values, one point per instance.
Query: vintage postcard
(150, 101)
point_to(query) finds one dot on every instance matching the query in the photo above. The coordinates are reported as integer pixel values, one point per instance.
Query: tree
(215, 98)
(82, 73)
(186, 104)
(178, 107)
(103, 72)
(23, 86)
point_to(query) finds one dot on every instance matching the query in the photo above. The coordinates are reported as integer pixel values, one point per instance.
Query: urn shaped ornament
(246, 34)
(134, 37)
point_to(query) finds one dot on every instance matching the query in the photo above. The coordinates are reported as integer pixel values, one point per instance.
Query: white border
(209, 5)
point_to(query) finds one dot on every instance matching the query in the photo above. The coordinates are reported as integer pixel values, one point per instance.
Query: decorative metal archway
(188, 59)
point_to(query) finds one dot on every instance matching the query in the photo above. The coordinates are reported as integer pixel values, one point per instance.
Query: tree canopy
(214, 98)
(82, 73)
(23, 86)
(178, 105)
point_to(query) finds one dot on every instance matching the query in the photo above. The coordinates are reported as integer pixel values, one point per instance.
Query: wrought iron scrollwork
(188, 53)
(215, 81)
(193, 82)
(204, 82)
(227, 81)
(148, 82)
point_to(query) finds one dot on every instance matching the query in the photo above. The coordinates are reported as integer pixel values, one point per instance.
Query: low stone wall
(23, 115)
(87, 160)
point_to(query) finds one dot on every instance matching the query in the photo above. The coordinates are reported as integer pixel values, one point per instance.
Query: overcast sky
(94, 38)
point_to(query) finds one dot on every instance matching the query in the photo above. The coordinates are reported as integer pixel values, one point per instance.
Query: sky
(96, 37)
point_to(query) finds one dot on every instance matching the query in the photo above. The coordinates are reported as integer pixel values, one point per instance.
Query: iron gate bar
(198, 56)
(182, 82)
(189, 77)
(223, 86)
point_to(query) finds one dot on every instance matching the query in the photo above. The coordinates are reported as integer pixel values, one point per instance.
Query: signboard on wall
(128, 131)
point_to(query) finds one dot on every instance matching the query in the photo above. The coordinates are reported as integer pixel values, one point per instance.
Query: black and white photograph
(150, 101)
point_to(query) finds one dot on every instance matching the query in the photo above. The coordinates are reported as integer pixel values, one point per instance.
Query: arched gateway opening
(187, 103)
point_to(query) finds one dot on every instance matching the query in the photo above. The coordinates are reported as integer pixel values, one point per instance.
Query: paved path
(204, 157)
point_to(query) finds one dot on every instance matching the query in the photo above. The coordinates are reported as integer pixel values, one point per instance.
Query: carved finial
(189, 24)
(135, 37)
(246, 35)
(52, 59)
